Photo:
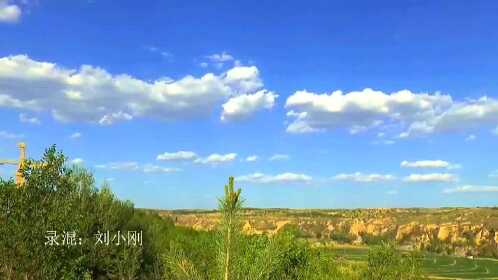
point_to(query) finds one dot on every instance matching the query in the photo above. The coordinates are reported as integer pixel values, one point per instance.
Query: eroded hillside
(461, 231)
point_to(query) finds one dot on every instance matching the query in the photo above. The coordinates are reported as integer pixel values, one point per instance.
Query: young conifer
(230, 205)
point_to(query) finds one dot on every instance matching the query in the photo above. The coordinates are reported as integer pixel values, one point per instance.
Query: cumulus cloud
(9, 13)
(77, 161)
(177, 156)
(242, 106)
(243, 79)
(471, 189)
(279, 157)
(364, 178)
(75, 135)
(430, 178)
(429, 164)
(287, 177)
(406, 112)
(91, 94)
(24, 118)
(252, 158)
(217, 158)
(10, 135)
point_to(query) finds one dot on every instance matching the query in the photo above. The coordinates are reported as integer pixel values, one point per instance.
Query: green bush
(342, 236)
(387, 263)
(371, 239)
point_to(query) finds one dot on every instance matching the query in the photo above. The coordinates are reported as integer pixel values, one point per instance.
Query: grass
(435, 266)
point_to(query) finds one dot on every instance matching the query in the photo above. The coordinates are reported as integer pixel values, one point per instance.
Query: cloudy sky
(308, 104)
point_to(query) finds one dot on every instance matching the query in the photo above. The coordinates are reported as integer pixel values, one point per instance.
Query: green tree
(230, 206)
(62, 199)
(385, 262)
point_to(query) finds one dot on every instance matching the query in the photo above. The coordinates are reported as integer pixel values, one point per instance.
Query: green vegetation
(61, 199)
(342, 236)
(437, 266)
(370, 239)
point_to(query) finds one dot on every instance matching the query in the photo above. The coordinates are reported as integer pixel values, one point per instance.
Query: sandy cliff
(464, 231)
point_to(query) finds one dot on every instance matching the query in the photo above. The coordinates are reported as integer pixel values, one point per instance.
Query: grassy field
(437, 267)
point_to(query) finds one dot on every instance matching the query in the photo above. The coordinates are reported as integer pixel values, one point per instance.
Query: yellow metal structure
(22, 158)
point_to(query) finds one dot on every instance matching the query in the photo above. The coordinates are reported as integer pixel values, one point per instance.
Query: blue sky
(316, 104)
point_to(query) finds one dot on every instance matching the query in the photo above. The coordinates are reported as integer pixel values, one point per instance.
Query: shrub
(386, 262)
(342, 236)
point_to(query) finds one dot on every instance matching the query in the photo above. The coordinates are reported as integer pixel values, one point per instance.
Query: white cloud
(242, 106)
(431, 177)
(9, 135)
(24, 118)
(109, 119)
(392, 192)
(287, 177)
(407, 113)
(430, 164)
(91, 94)
(279, 157)
(364, 178)
(75, 135)
(77, 161)
(426, 164)
(471, 189)
(177, 156)
(252, 158)
(243, 79)
(219, 60)
(493, 174)
(134, 166)
(9, 13)
(385, 142)
(121, 165)
(220, 57)
(193, 157)
(470, 137)
(151, 168)
(495, 131)
(217, 158)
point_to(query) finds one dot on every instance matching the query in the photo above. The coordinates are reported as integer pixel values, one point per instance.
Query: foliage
(61, 198)
(229, 206)
(64, 199)
(385, 262)
(371, 239)
(342, 236)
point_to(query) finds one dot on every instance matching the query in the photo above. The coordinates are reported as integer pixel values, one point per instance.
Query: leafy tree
(63, 200)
